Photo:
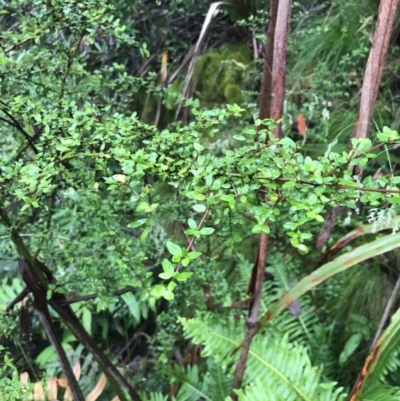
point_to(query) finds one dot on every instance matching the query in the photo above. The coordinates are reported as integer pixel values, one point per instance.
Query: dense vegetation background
(138, 179)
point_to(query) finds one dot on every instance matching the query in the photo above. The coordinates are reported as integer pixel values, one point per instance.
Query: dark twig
(67, 301)
(14, 123)
(24, 293)
(15, 46)
(88, 297)
(39, 277)
(41, 307)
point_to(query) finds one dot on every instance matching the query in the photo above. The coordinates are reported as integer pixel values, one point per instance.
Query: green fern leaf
(274, 362)
(384, 356)
(217, 383)
(381, 393)
(192, 387)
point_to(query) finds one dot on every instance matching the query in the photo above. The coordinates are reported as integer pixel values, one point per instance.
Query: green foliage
(327, 59)
(384, 357)
(278, 369)
(108, 201)
(219, 74)
(213, 385)
(11, 388)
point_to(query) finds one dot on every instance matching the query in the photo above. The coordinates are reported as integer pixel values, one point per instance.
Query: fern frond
(320, 350)
(276, 362)
(212, 386)
(384, 356)
(381, 393)
(217, 383)
(257, 392)
(154, 397)
(192, 387)
(299, 328)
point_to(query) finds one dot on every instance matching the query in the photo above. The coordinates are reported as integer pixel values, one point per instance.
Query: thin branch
(14, 123)
(13, 47)
(23, 294)
(329, 184)
(41, 307)
(386, 313)
(88, 297)
(192, 248)
(192, 240)
(71, 58)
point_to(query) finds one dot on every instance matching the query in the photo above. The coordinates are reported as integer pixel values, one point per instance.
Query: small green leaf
(198, 147)
(87, 320)
(174, 249)
(185, 261)
(192, 224)
(120, 178)
(151, 208)
(168, 267)
(207, 230)
(176, 258)
(157, 291)
(132, 304)
(239, 137)
(182, 276)
(217, 184)
(351, 345)
(137, 223)
(199, 208)
(143, 206)
(288, 184)
(200, 197)
(165, 276)
(303, 249)
(168, 295)
(145, 234)
(260, 228)
(193, 255)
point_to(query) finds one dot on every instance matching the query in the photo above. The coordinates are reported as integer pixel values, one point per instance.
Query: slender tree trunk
(271, 106)
(369, 93)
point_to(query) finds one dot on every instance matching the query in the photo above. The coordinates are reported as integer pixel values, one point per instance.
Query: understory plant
(134, 245)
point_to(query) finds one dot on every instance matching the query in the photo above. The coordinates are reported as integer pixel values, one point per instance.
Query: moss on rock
(219, 74)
